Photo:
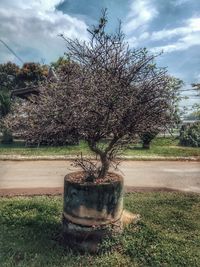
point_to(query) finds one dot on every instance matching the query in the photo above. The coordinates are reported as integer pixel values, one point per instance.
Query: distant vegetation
(161, 146)
(190, 135)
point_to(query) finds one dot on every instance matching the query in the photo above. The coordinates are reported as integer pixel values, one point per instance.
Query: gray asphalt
(184, 176)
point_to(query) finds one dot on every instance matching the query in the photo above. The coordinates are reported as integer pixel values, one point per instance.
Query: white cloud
(191, 26)
(135, 41)
(181, 44)
(140, 14)
(31, 28)
(186, 36)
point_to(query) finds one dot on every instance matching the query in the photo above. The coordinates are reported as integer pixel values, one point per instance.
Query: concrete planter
(91, 212)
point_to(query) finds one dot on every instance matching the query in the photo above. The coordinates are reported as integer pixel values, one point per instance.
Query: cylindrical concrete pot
(91, 211)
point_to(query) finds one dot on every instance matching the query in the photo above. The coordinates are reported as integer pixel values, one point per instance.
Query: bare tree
(108, 91)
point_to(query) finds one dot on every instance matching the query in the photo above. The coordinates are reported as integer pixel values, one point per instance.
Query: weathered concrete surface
(177, 175)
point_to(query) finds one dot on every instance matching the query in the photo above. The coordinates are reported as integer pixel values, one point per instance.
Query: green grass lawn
(160, 147)
(167, 235)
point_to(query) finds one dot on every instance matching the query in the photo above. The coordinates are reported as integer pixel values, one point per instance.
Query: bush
(7, 137)
(147, 138)
(190, 135)
(53, 140)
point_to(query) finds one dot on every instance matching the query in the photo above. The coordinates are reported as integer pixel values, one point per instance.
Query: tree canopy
(106, 91)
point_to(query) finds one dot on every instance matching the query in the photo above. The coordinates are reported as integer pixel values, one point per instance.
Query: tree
(31, 74)
(108, 91)
(190, 135)
(195, 115)
(196, 106)
(5, 105)
(147, 138)
(175, 85)
(13, 77)
(8, 73)
(61, 62)
(196, 86)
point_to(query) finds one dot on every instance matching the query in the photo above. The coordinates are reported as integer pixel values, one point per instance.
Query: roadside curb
(56, 191)
(71, 157)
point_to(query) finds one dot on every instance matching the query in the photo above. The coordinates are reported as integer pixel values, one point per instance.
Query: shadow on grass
(168, 235)
(31, 228)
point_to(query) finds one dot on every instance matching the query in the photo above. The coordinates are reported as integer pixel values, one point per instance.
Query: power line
(186, 90)
(10, 49)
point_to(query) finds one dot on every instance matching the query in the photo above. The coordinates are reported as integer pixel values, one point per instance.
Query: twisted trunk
(105, 164)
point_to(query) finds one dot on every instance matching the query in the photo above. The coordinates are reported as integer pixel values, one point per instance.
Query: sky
(31, 29)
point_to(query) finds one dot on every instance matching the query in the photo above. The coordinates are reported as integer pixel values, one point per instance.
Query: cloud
(140, 14)
(31, 28)
(192, 25)
(187, 36)
(198, 77)
(180, 45)
(180, 2)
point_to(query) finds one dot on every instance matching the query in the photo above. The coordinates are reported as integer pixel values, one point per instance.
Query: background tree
(190, 135)
(61, 62)
(147, 138)
(13, 77)
(5, 105)
(107, 92)
(175, 85)
(195, 115)
(31, 74)
(8, 73)
(196, 86)
(196, 106)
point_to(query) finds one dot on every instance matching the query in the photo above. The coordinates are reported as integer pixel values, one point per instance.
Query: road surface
(184, 176)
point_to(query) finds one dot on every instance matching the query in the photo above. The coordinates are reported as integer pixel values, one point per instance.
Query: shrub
(147, 138)
(7, 137)
(190, 135)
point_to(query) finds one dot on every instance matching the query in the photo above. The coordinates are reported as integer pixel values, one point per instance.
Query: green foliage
(195, 115)
(31, 74)
(190, 135)
(8, 73)
(60, 63)
(7, 137)
(5, 105)
(175, 85)
(5, 102)
(147, 138)
(196, 106)
(167, 235)
(196, 86)
(13, 77)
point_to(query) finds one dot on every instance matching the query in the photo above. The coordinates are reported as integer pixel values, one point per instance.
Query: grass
(18, 148)
(161, 146)
(167, 235)
(164, 146)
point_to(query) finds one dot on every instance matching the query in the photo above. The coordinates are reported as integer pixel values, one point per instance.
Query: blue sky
(31, 28)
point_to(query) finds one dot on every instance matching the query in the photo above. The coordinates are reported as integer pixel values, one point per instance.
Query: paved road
(33, 174)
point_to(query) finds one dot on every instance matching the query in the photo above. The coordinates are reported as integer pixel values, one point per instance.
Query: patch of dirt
(80, 177)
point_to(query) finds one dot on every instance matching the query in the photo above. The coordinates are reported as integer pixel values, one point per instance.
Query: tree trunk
(146, 145)
(104, 166)
(7, 137)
